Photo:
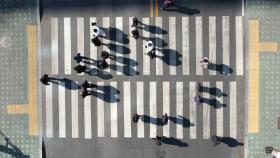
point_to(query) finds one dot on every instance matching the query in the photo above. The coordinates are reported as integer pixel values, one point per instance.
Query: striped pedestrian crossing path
(219, 38)
(108, 112)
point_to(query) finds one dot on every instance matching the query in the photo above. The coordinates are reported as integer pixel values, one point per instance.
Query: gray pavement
(107, 147)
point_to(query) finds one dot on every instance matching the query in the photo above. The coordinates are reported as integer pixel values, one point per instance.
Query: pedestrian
(197, 99)
(135, 22)
(97, 31)
(96, 41)
(204, 62)
(45, 79)
(158, 140)
(268, 150)
(84, 92)
(164, 119)
(105, 55)
(198, 87)
(216, 140)
(135, 33)
(167, 4)
(85, 84)
(150, 49)
(78, 58)
(102, 64)
(79, 68)
(135, 118)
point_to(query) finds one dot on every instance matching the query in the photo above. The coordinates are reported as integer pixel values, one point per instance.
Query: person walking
(158, 140)
(79, 68)
(168, 4)
(136, 22)
(78, 58)
(105, 55)
(204, 62)
(197, 99)
(150, 49)
(216, 140)
(97, 31)
(45, 79)
(95, 40)
(102, 64)
(164, 119)
(135, 33)
(136, 117)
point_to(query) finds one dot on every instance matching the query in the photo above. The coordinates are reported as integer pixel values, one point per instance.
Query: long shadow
(174, 141)
(126, 70)
(44, 153)
(113, 47)
(158, 42)
(106, 93)
(173, 54)
(213, 91)
(154, 29)
(213, 102)
(221, 68)
(231, 142)
(100, 73)
(114, 34)
(125, 60)
(69, 84)
(181, 120)
(183, 10)
(152, 120)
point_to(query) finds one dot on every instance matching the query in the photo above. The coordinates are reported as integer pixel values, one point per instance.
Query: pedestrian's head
(95, 30)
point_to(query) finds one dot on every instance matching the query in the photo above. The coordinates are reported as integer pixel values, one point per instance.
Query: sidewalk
(15, 44)
(265, 15)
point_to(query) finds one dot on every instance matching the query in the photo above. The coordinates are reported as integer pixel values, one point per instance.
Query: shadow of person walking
(181, 120)
(221, 68)
(174, 141)
(231, 142)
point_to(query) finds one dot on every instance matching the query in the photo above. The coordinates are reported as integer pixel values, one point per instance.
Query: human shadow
(105, 93)
(174, 141)
(69, 84)
(231, 142)
(11, 149)
(152, 120)
(168, 54)
(183, 10)
(181, 120)
(221, 68)
(158, 42)
(213, 102)
(154, 29)
(125, 60)
(113, 47)
(213, 91)
(126, 70)
(115, 34)
(100, 73)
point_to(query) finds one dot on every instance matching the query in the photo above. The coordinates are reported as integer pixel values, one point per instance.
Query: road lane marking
(166, 106)
(153, 109)
(114, 111)
(54, 45)
(127, 109)
(61, 110)
(226, 44)
(87, 117)
(206, 113)
(179, 110)
(75, 112)
(133, 47)
(106, 24)
(146, 58)
(198, 44)
(233, 110)
(172, 46)
(100, 114)
(159, 63)
(220, 112)
(185, 45)
(49, 111)
(93, 48)
(239, 45)
(67, 45)
(80, 37)
(212, 42)
(140, 108)
(119, 47)
(193, 105)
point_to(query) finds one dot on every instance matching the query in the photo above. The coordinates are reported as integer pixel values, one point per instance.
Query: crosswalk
(89, 118)
(219, 38)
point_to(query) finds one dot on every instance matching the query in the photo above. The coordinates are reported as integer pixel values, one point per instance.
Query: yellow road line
(151, 8)
(255, 47)
(156, 8)
(32, 107)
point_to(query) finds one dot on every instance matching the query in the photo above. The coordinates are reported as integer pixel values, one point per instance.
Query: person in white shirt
(97, 31)
(150, 49)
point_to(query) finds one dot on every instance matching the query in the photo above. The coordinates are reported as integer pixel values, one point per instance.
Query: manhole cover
(6, 41)
(161, 154)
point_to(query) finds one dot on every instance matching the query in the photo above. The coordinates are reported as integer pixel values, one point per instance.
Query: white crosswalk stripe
(147, 33)
(75, 113)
